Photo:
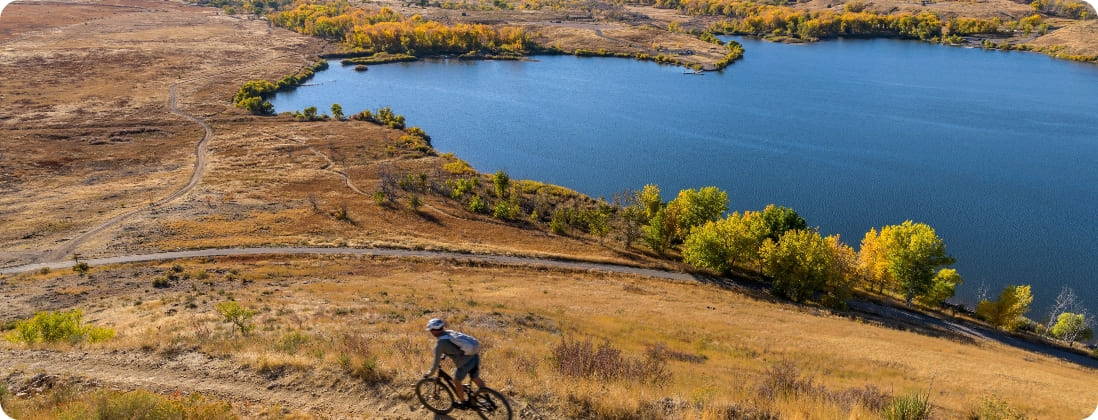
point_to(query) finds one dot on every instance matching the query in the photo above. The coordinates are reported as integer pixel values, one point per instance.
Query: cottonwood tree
(1009, 311)
(872, 264)
(649, 198)
(502, 183)
(780, 220)
(1065, 301)
(719, 245)
(630, 216)
(696, 207)
(1073, 327)
(661, 230)
(801, 263)
(309, 113)
(911, 254)
(942, 287)
(709, 246)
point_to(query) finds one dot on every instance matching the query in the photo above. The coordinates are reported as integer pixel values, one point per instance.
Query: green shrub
(56, 327)
(477, 205)
(161, 282)
(504, 211)
(910, 407)
(238, 315)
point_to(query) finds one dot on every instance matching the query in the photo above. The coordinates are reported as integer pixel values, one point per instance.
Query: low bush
(909, 407)
(582, 359)
(783, 379)
(58, 327)
(239, 316)
(991, 407)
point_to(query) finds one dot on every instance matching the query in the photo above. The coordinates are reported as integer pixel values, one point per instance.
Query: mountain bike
(437, 394)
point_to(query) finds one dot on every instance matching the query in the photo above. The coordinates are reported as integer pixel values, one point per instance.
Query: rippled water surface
(997, 151)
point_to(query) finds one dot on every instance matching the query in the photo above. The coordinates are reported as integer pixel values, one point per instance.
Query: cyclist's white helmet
(435, 324)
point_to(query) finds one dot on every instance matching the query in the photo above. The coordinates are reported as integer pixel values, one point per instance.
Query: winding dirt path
(196, 176)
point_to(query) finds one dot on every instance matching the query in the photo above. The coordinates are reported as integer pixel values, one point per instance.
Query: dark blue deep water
(997, 151)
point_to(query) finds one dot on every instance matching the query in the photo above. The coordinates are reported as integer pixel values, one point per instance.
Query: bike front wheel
(435, 395)
(491, 405)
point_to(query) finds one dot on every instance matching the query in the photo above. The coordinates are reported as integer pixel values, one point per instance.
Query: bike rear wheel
(435, 395)
(491, 405)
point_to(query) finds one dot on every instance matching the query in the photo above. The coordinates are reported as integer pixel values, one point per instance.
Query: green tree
(708, 246)
(942, 287)
(801, 263)
(660, 230)
(238, 315)
(337, 111)
(780, 220)
(1072, 327)
(309, 113)
(696, 207)
(720, 244)
(913, 252)
(629, 220)
(1009, 311)
(256, 105)
(649, 198)
(502, 183)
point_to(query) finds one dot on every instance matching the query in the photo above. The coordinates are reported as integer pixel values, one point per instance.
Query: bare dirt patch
(86, 123)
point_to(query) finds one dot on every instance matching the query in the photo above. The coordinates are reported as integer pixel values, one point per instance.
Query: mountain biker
(450, 344)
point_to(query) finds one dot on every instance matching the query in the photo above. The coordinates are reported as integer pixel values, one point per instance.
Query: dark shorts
(471, 368)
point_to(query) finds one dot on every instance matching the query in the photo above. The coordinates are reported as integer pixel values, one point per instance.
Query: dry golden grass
(358, 322)
(352, 326)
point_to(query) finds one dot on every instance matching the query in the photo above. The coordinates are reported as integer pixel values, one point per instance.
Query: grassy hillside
(561, 344)
(87, 138)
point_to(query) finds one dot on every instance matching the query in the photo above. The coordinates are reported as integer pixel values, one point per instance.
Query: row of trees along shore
(907, 260)
(387, 31)
(857, 19)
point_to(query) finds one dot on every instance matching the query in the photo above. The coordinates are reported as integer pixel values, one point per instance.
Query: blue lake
(997, 151)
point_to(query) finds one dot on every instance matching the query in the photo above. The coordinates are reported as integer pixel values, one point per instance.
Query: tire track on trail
(196, 176)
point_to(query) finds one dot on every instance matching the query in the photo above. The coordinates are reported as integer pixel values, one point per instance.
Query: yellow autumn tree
(1009, 311)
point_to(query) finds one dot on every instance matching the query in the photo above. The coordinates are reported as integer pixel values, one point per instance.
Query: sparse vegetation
(68, 401)
(239, 316)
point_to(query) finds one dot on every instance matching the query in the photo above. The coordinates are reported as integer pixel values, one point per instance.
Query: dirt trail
(69, 247)
(201, 158)
(190, 372)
